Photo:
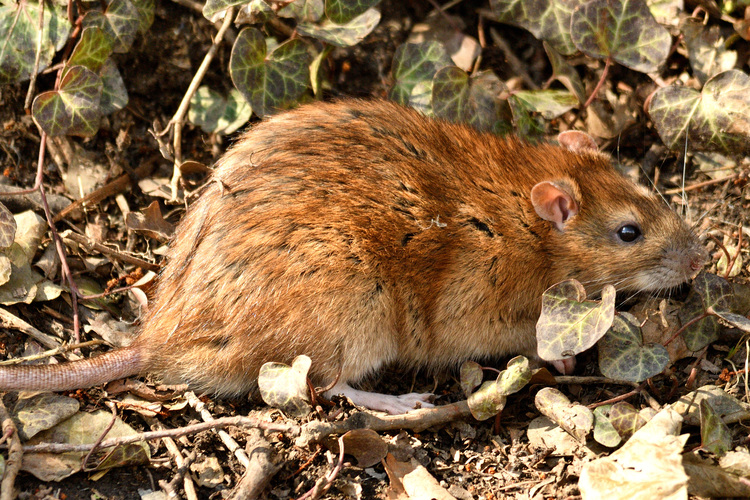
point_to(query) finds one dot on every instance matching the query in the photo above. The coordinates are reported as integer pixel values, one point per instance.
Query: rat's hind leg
(384, 402)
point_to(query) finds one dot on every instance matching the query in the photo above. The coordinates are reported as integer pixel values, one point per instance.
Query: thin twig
(699, 185)
(219, 423)
(228, 441)
(52, 352)
(9, 320)
(178, 119)
(599, 84)
(323, 484)
(180, 463)
(15, 455)
(112, 254)
(100, 439)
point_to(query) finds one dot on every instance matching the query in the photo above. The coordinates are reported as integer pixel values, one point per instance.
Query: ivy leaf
(92, 49)
(460, 98)
(622, 355)
(414, 63)
(604, 432)
(342, 35)
(490, 399)
(19, 36)
(343, 11)
(310, 11)
(626, 419)
(471, 376)
(285, 387)
(569, 324)
(214, 113)
(715, 435)
(487, 401)
(145, 10)
(715, 119)
(120, 22)
(565, 73)
(269, 82)
(548, 103)
(706, 49)
(545, 19)
(624, 30)
(114, 93)
(74, 108)
(213, 7)
(697, 335)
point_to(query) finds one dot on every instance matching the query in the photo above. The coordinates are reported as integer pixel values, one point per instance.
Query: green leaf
(715, 435)
(624, 30)
(120, 21)
(213, 7)
(569, 324)
(604, 432)
(285, 387)
(213, 113)
(706, 49)
(310, 11)
(343, 11)
(460, 98)
(715, 291)
(145, 10)
(421, 98)
(92, 49)
(414, 63)
(342, 35)
(736, 320)
(697, 335)
(622, 355)
(548, 103)
(545, 19)
(471, 376)
(317, 79)
(565, 73)
(269, 82)
(74, 108)
(515, 377)
(626, 419)
(114, 93)
(715, 119)
(486, 402)
(527, 124)
(19, 37)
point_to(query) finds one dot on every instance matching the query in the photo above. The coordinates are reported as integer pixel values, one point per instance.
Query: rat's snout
(696, 260)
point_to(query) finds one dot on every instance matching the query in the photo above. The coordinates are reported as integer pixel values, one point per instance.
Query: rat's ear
(575, 140)
(555, 202)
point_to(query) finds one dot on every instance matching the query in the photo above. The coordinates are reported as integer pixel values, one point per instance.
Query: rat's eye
(628, 233)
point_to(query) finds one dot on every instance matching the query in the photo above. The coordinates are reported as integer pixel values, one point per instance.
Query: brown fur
(361, 233)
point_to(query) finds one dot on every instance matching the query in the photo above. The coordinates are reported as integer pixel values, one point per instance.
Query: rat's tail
(79, 374)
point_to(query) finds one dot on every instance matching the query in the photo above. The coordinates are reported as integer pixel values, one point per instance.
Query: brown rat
(362, 233)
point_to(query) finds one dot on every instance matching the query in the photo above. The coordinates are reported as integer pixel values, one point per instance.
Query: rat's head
(606, 229)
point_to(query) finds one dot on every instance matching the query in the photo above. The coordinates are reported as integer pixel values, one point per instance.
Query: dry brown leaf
(411, 481)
